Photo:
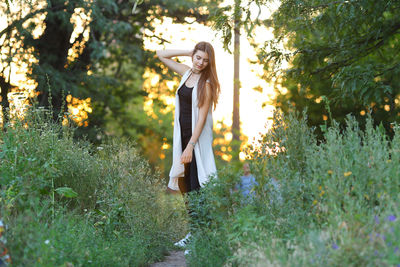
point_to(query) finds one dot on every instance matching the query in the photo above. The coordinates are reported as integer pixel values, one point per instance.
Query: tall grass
(339, 202)
(68, 202)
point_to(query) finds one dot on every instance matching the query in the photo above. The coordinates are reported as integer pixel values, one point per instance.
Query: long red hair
(209, 73)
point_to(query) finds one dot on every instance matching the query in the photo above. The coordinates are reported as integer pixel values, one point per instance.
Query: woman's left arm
(203, 111)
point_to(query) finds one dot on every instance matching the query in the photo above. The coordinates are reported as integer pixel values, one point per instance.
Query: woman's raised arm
(166, 55)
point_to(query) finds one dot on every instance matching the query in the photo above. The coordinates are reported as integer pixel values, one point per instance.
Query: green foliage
(68, 202)
(70, 240)
(338, 206)
(343, 50)
(211, 208)
(66, 192)
(36, 161)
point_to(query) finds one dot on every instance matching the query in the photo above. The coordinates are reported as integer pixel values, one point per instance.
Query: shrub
(332, 190)
(66, 201)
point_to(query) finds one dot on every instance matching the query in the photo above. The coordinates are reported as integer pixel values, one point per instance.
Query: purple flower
(396, 249)
(391, 218)
(376, 219)
(335, 246)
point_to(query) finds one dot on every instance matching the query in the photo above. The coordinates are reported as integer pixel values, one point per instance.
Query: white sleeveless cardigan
(203, 148)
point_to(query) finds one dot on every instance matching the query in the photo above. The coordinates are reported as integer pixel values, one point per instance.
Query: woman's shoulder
(186, 71)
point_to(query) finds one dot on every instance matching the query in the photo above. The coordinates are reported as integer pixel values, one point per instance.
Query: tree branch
(325, 5)
(158, 37)
(387, 69)
(345, 62)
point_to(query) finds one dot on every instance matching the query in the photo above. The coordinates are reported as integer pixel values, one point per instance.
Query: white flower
(47, 241)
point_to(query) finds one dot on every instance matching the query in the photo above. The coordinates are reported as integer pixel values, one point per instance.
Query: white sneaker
(183, 242)
(187, 252)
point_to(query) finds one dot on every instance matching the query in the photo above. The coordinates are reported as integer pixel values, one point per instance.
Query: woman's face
(200, 60)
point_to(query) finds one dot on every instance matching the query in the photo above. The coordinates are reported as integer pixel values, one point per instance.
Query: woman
(193, 157)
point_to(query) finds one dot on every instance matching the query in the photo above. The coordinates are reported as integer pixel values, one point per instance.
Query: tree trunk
(52, 48)
(236, 80)
(5, 87)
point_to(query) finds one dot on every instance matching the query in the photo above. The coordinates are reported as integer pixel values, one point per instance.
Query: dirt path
(175, 259)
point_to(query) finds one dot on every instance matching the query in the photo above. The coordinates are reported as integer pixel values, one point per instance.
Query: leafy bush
(334, 191)
(66, 201)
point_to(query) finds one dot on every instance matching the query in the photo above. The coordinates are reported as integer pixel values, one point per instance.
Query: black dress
(190, 181)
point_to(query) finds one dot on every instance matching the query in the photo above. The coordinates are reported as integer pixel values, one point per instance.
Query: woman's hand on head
(166, 57)
(187, 154)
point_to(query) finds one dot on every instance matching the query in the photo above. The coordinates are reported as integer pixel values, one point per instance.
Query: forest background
(91, 57)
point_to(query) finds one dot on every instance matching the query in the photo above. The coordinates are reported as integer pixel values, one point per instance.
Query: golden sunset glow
(18, 105)
(15, 72)
(78, 110)
(158, 89)
(23, 87)
(81, 21)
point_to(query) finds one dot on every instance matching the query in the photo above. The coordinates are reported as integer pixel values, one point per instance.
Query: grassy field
(68, 203)
(337, 204)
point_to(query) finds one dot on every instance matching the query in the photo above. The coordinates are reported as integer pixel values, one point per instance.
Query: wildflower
(391, 218)
(322, 193)
(330, 172)
(315, 202)
(347, 174)
(376, 219)
(335, 246)
(47, 241)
